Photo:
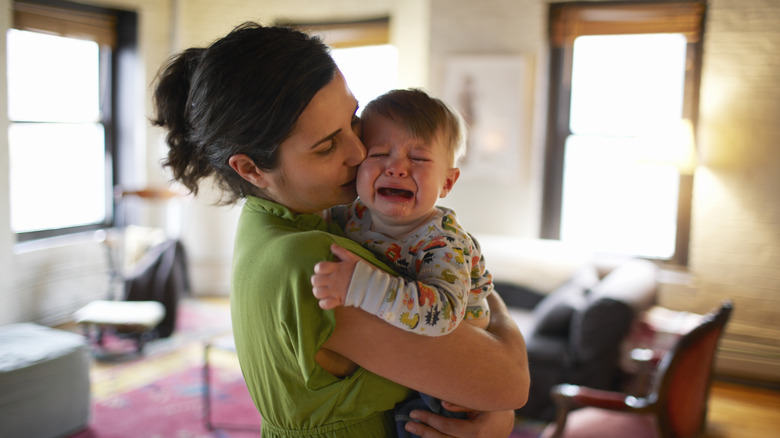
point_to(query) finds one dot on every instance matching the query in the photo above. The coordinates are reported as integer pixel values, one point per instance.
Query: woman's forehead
(327, 111)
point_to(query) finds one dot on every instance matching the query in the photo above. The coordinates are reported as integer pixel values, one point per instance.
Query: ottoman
(44, 381)
(135, 319)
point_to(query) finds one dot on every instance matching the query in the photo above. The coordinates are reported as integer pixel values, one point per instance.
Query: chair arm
(574, 396)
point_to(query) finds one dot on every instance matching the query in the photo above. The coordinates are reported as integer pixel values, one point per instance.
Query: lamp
(674, 146)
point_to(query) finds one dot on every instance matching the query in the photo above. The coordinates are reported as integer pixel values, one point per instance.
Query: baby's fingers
(324, 294)
(329, 303)
(342, 254)
(324, 268)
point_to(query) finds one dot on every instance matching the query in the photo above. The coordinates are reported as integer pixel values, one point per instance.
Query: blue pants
(424, 402)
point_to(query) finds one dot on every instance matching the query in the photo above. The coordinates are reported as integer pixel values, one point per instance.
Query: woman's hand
(496, 424)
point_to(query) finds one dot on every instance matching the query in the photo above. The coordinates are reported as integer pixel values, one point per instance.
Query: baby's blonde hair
(423, 116)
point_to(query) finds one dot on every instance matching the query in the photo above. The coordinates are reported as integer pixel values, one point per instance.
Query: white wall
(514, 28)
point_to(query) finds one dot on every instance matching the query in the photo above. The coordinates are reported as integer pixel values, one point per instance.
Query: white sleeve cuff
(368, 288)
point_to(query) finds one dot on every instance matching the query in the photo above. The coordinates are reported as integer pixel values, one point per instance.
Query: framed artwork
(489, 92)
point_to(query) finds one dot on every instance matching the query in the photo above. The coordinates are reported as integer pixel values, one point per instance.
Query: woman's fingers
(479, 425)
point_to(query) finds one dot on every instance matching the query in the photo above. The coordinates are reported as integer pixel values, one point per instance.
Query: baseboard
(756, 363)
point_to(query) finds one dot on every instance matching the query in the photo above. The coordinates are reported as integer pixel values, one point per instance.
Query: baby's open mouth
(386, 191)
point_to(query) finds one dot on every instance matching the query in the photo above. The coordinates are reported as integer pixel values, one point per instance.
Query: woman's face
(318, 161)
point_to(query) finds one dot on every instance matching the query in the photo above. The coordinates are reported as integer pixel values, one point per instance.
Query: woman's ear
(449, 181)
(245, 167)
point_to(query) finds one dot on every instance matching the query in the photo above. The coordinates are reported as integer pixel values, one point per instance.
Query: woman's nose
(356, 152)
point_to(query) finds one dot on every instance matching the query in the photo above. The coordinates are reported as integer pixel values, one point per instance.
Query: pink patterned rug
(174, 407)
(161, 393)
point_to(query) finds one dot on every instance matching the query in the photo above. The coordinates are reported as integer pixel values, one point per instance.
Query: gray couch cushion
(600, 328)
(555, 318)
(518, 296)
(554, 313)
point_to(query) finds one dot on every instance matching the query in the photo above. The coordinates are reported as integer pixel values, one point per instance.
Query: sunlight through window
(56, 141)
(370, 70)
(626, 89)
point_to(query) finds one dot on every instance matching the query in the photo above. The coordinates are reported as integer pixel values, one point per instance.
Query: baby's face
(402, 177)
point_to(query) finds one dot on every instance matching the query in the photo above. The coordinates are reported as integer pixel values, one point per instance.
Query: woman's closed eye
(328, 147)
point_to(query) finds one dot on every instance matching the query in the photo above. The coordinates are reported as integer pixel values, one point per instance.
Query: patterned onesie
(444, 276)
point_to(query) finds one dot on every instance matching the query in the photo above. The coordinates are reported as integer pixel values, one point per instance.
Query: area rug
(527, 428)
(174, 407)
(160, 394)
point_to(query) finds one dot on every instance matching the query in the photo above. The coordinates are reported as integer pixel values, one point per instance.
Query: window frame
(573, 19)
(116, 33)
(345, 34)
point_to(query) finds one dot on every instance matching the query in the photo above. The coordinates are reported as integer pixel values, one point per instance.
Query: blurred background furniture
(225, 343)
(675, 406)
(149, 282)
(573, 307)
(132, 319)
(44, 382)
(147, 274)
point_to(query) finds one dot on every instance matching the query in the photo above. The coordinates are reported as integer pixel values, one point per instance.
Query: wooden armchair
(675, 406)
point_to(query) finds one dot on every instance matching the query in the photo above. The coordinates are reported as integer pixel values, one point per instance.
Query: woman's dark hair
(241, 95)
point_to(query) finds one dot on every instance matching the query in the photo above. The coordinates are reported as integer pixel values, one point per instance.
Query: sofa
(574, 308)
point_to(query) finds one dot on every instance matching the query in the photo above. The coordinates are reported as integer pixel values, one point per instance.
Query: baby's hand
(330, 281)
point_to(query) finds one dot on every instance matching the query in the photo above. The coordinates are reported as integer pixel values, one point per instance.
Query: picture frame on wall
(490, 93)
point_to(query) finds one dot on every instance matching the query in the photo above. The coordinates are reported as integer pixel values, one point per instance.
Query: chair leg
(144, 337)
(207, 388)
(560, 423)
(561, 414)
(207, 399)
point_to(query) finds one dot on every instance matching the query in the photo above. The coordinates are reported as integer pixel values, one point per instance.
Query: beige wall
(735, 242)
(514, 28)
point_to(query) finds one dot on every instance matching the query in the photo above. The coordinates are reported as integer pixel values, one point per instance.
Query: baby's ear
(449, 181)
(245, 167)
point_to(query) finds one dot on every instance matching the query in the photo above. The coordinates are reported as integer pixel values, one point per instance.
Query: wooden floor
(738, 411)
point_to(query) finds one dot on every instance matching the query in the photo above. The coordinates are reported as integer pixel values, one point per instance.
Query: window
(62, 80)
(362, 51)
(624, 87)
(370, 70)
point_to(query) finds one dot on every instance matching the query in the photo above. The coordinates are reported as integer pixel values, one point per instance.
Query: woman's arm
(471, 367)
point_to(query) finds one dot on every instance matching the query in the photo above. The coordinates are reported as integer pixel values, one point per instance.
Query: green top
(278, 327)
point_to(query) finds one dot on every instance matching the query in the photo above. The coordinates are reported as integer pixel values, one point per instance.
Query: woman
(266, 112)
